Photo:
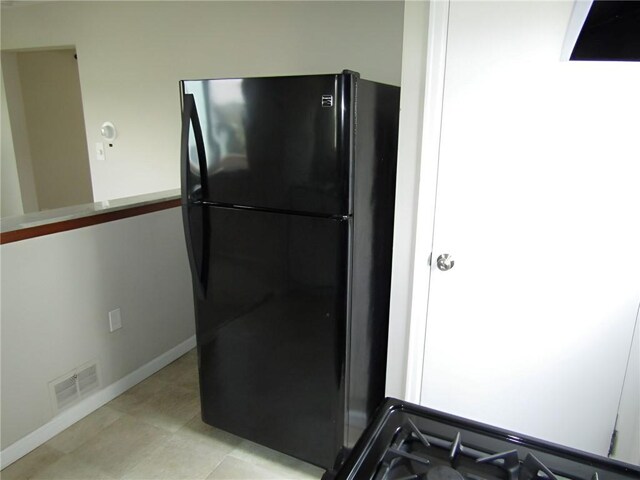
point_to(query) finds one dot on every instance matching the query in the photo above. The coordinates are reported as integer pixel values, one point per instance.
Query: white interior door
(539, 204)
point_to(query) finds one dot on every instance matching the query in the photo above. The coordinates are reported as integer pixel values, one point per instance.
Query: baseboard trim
(90, 404)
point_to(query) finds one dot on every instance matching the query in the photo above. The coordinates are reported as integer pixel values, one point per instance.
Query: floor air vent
(87, 379)
(72, 386)
(66, 392)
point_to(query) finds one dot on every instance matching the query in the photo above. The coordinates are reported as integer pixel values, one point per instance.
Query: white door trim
(627, 446)
(427, 189)
(414, 47)
(576, 22)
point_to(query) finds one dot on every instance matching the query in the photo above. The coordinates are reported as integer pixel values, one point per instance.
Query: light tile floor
(154, 431)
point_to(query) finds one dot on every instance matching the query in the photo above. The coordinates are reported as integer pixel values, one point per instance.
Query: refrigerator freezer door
(272, 329)
(278, 143)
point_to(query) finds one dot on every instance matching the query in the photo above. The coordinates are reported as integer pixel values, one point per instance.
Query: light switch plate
(115, 320)
(100, 154)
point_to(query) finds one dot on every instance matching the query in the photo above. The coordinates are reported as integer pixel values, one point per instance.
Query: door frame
(627, 428)
(408, 310)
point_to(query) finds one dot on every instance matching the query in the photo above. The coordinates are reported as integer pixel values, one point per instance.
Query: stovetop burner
(409, 442)
(442, 472)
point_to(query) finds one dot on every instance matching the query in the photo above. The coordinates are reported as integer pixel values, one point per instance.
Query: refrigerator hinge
(614, 439)
(429, 259)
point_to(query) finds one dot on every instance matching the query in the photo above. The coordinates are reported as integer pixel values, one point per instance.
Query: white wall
(132, 54)
(56, 292)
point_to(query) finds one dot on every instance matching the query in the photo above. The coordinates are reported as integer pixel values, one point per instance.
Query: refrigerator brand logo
(327, 100)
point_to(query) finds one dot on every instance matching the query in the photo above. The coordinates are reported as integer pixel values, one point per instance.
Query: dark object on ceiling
(610, 32)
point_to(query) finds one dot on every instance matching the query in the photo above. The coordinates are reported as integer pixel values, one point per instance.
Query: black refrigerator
(288, 187)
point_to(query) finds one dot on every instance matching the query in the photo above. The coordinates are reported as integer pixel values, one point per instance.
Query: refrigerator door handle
(190, 117)
(200, 272)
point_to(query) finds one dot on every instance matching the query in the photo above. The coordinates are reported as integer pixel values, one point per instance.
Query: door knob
(445, 262)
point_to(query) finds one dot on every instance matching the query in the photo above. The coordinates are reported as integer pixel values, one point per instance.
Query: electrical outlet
(115, 320)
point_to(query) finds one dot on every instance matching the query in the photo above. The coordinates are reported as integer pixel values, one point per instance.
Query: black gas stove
(409, 442)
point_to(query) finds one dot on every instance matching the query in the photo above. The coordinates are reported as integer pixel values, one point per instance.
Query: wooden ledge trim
(95, 219)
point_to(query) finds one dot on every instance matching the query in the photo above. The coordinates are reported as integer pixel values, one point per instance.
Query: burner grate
(410, 442)
(414, 454)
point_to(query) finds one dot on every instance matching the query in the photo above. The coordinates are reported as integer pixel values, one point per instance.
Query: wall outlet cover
(115, 320)
(100, 153)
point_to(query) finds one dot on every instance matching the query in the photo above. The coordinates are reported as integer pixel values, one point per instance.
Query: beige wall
(15, 144)
(55, 127)
(57, 291)
(11, 202)
(132, 55)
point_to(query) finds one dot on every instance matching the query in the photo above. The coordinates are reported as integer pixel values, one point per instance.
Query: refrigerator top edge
(272, 77)
(353, 73)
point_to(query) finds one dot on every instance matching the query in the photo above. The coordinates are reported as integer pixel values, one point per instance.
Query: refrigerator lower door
(271, 329)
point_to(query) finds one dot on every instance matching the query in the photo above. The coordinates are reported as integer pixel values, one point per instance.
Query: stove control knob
(445, 262)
